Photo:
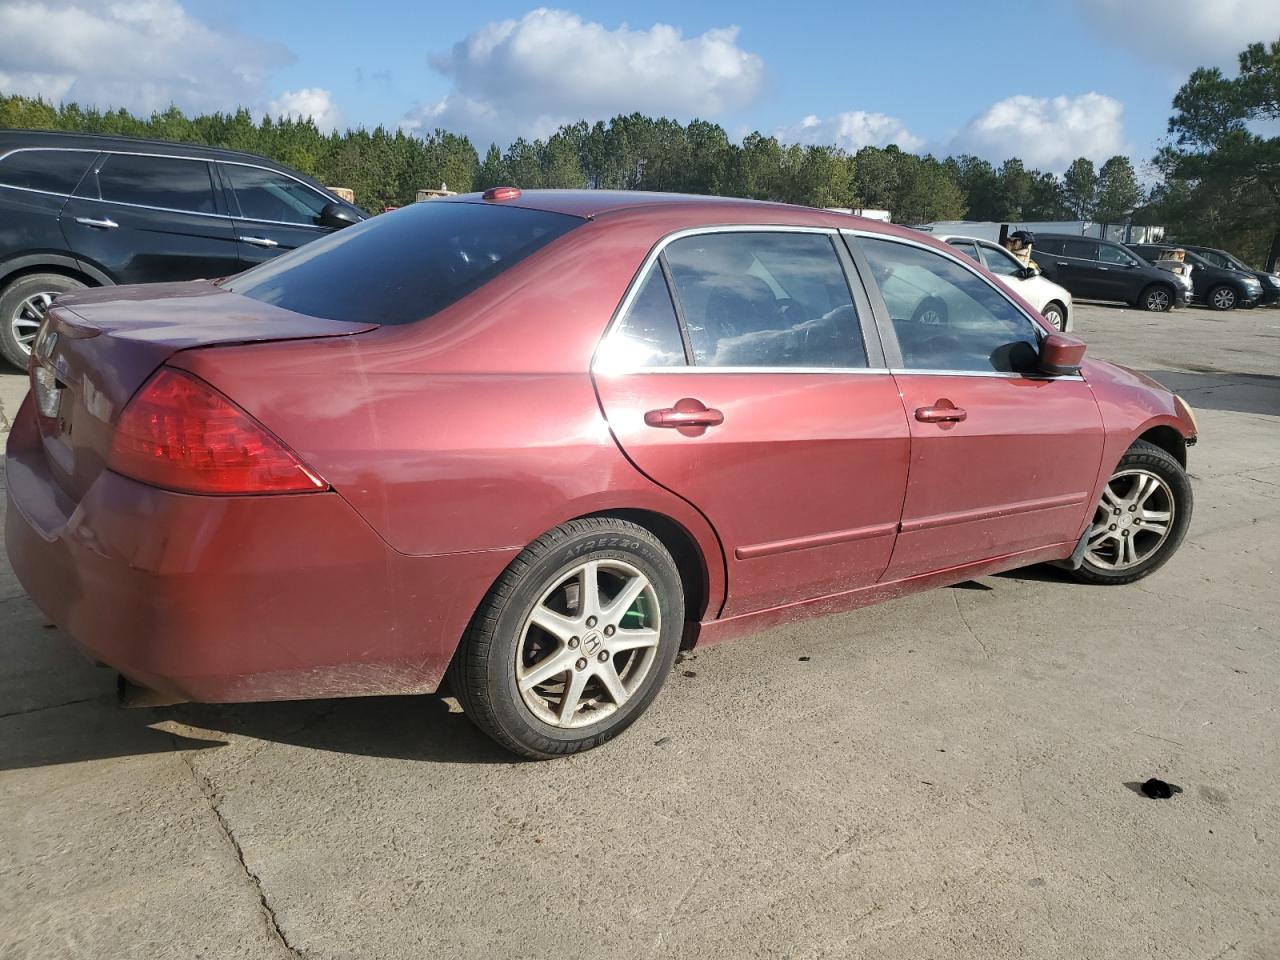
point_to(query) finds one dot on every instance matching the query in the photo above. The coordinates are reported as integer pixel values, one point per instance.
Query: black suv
(81, 211)
(1221, 288)
(1094, 269)
(1220, 258)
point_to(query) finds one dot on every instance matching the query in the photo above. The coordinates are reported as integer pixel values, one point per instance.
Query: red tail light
(182, 434)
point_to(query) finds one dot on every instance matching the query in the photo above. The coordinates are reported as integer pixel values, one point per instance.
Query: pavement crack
(214, 801)
(50, 706)
(965, 620)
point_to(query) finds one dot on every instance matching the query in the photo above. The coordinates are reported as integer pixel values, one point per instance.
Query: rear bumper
(226, 599)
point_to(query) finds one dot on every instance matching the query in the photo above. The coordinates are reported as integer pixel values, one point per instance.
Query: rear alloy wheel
(1054, 313)
(1222, 298)
(23, 306)
(1157, 299)
(574, 641)
(1140, 520)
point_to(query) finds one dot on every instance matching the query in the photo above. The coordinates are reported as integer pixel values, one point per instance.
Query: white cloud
(1045, 132)
(852, 130)
(526, 77)
(137, 54)
(313, 102)
(1184, 33)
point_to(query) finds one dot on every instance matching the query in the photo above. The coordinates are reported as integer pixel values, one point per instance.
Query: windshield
(402, 266)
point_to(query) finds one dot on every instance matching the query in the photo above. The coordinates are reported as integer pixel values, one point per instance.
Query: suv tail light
(180, 433)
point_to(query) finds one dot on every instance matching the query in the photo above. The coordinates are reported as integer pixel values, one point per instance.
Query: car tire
(1055, 313)
(931, 311)
(1157, 298)
(539, 639)
(1147, 489)
(22, 307)
(1223, 297)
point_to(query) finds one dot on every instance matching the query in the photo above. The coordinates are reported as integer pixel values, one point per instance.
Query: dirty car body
(517, 377)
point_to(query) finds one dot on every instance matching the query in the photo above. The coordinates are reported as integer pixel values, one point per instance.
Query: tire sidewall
(14, 294)
(1158, 462)
(632, 546)
(1054, 315)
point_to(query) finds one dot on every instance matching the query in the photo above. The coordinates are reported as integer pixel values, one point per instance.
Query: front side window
(1108, 253)
(648, 334)
(1217, 259)
(53, 171)
(946, 317)
(402, 266)
(1047, 245)
(266, 195)
(764, 299)
(1001, 262)
(166, 182)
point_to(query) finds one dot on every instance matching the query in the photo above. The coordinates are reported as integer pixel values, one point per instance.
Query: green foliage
(1119, 192)
(1080, 188)
(1221, 179)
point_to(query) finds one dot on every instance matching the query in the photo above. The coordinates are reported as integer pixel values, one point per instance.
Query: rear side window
(402, 266)
(763, 299)
(1080, 249)
(266, 195)
(1049, 245)
(166, 182)
(648, 334)
(54, 171)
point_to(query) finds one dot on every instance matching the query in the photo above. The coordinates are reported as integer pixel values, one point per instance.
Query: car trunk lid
(97, 348)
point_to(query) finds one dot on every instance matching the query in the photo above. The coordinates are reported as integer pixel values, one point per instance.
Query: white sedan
(1053, 302)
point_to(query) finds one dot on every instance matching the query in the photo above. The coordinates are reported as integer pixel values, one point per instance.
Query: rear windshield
(402, 266)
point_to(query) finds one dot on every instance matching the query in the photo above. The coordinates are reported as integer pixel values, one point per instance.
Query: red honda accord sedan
(539, 441)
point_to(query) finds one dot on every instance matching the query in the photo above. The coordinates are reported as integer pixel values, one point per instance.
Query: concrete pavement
(944, 776)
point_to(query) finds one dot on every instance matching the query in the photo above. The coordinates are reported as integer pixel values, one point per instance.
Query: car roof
(25, 139)
(696, 208)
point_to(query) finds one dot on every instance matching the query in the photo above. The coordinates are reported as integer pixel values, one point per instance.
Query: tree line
(1220, 181)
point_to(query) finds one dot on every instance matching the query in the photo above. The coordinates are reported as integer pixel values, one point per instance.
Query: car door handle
(101, 224)
(260, 241)
(676, 417)
(1059, 263)
(944, 411)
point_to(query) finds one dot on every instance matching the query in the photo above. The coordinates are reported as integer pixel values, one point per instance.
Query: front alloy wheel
(1140, 519)
(574, 640)
(1158, 300)
(1222, 298)
(1053, 313)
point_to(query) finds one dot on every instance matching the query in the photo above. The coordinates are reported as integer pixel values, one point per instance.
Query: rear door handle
(684, 415)
(944, 411)
(260, 241)
(1059, 263)
(103, 224)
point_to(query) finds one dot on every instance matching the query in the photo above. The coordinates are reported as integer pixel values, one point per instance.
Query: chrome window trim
(841, 371)
(651, 258)
(162, 156)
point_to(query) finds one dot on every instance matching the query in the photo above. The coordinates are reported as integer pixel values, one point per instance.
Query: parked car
(1221, 288)
(1103, 270)
(1053, 301)
(541, 440)
(1269, 282)
(79, 211)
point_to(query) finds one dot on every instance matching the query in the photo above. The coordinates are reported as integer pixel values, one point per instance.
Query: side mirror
(1027, 273)
(1060, 355)
(335, 216)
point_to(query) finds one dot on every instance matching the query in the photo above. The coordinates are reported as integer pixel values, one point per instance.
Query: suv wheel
(1157, 299)
(1141, 519)
(23, 305)
(574, 640)
(1222, 298)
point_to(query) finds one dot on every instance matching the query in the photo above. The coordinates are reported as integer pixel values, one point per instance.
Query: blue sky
(1043, 81)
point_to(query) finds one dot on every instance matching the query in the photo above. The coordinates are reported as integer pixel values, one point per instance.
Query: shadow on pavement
(1209, 388)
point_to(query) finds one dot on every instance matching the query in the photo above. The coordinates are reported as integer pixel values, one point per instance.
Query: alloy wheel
(1158, 301)
(1133, 519)
(27, 317)
(1054, 316)
(1224, 298)
(588, 643)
